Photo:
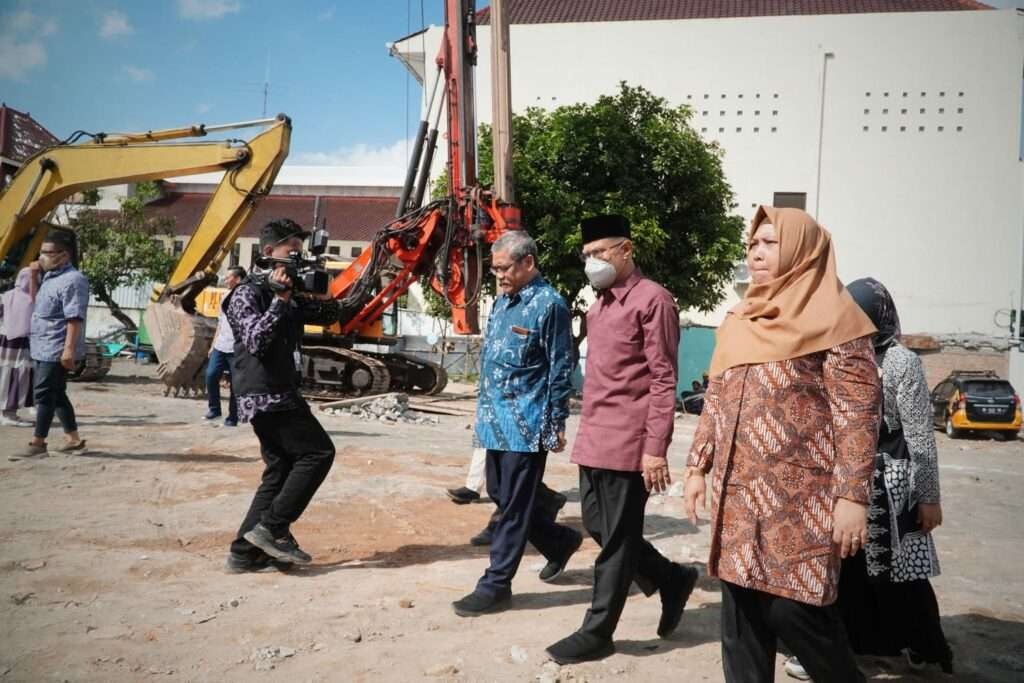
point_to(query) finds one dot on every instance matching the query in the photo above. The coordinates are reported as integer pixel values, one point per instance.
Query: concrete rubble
(389, 408)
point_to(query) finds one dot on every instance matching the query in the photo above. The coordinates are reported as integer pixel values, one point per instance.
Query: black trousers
(545, 502)
(512, 481)
(51, 396)
(298, 454)
(753, 622)
(613, 513)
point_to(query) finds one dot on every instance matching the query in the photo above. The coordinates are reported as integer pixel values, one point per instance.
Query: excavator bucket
(182, 342)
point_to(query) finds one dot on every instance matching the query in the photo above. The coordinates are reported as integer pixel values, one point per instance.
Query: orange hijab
(804, 310)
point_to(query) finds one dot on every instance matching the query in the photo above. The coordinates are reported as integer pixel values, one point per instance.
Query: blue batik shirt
(525, 371)
(63, 295)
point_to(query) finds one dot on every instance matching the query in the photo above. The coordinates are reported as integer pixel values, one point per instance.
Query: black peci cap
(605, 225)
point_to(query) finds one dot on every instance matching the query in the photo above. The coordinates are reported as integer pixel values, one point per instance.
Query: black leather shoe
(483, 538)
(463, 495)
(551, 503)
(673, 598)
(477, 603)
(580, 647)
(285, 549)
(554, 568)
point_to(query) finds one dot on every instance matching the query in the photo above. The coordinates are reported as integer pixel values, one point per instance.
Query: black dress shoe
(673, 598)
(580, 647)
(463, 495)
(285, 549)
(554, 568)
(477, 603)
(483, 538)
(550, 502)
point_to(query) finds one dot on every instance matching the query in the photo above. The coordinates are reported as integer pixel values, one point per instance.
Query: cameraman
(267, 320)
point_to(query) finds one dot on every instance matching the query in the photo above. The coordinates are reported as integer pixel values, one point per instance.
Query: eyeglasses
(501, 270)
(598, 253)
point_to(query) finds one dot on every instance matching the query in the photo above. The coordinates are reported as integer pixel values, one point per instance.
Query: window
(254, 253)
(790, 200)
(334, 251)
(356, 251)
(236, 251)
(179, 246)
(867, 111)
(885, 128)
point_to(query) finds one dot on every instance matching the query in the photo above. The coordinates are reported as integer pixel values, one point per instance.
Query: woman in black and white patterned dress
(885, 595)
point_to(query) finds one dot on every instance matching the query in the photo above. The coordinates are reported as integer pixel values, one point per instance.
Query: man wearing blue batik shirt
(525, 382)
(57, 340)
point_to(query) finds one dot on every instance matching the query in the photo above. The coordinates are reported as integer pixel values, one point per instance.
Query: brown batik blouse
(783, 440)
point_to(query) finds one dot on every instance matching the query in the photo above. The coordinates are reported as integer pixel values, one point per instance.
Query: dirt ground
(111, 563)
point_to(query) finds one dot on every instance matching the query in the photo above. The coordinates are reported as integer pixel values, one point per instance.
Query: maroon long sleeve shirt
(629, 389)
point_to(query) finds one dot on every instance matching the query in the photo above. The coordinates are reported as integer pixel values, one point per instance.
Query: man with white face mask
(57, 341)
(625, 429)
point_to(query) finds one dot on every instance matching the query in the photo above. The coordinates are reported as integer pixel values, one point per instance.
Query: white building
(899, 130)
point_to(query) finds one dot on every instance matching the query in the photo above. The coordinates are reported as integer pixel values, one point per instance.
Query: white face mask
(600, 273)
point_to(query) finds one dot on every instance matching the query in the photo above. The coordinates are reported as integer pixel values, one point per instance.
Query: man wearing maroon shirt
(624, 433)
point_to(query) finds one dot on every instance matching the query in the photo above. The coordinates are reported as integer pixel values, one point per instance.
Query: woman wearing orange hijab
(788, 434)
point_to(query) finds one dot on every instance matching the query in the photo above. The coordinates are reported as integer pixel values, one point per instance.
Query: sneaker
(914, 660)
(69, 447)
(554, 568)
(284, 549)
(794, 669)
(15, 421)
(240, 563)
(478, 602)
(211, 415)
(463, 495)
(673, 598)
(580, 647)
(30, 451)
(230, 423)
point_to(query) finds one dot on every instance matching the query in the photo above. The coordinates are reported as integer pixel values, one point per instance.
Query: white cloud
(327, 14)
(393, 155)
(21, 49)
(115, 23)
(16, 59)
(137, 74)
(203, 108)
(207, 9)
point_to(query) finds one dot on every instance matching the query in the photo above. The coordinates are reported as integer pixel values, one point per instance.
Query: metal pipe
(45, 165)
(428, 161)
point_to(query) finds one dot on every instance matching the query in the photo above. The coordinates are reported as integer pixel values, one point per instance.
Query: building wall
(935, 211)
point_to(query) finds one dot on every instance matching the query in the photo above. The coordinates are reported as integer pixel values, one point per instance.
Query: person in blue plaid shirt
(525, 383)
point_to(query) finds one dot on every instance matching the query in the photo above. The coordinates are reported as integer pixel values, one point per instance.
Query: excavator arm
(180, 338)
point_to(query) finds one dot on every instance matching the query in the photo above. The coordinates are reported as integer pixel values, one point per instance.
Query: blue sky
(109, 65)
(116, 65)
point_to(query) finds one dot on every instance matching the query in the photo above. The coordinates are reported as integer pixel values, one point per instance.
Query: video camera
(308, 275)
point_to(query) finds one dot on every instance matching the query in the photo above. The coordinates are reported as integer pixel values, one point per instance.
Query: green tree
(122, 249)
(629, 153)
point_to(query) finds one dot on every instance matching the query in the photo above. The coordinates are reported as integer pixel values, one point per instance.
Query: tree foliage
(629, 153)
(123, 249)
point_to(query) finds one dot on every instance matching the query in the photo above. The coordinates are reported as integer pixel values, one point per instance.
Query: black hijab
(875, 300)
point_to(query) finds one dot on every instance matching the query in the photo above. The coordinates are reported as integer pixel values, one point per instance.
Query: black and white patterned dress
(906, 474)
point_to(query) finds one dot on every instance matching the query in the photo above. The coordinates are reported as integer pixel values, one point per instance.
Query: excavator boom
(180, 338)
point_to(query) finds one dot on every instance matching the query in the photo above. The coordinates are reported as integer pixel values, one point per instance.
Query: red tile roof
(581, 11)
(21, 136)
(355, 219)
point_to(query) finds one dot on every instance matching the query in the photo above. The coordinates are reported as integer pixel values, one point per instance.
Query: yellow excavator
(180, 338)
